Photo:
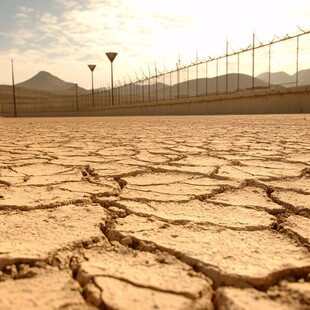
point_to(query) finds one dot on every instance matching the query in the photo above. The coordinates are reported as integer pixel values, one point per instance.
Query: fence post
(297, 60)
(207, 78)
(178, 81)
(170, 85)
(217, 76)
(226, 66)
(130, 89)
(238, 81)
(143, 91)
(14, 94)
(156, 85)
(196, 73)
(187, 73)
(269, 73)
(253, 60)
(197, 76)
(164, 87)
(76, 97)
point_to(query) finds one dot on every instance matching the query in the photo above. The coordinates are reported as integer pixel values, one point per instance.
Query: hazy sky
(63, 36)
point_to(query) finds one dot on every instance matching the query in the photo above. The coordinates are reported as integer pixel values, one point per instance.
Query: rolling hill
(303, 77)
(282, 78)
(48, 82)
(199, 87)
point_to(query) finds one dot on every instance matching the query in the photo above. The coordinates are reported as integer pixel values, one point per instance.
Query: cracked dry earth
(196, 212)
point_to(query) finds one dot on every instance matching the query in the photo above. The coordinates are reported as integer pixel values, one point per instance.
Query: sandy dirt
(207, 212)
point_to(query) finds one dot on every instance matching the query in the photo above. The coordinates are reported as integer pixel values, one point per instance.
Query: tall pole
(217, 76)
(269, 73)
(149, 84)
(137, 88)
(112, 88)
(238, 83)
(92, 68)
(226, 66)
(170, 85)
(92, 88)
(253, 61)
(143, 86)
(206, 78)
(297, 58)
(130, 90)
(13, 84)
(118, 92)
(178, 77)
(156, 83)
(187, 71)
(164, 86)
(76, 97)
(111, 56)
(197, 73)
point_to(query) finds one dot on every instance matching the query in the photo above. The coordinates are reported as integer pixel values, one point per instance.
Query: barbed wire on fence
(201, 77)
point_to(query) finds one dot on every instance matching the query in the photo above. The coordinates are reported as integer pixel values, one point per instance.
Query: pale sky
(63, 36)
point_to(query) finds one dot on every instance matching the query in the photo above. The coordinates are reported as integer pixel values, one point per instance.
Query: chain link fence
(260, 65)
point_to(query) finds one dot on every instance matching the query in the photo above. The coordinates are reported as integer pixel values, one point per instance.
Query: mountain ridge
(285, 79)
(44, 80)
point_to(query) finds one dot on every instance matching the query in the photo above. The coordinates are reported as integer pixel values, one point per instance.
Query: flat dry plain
(203, 212)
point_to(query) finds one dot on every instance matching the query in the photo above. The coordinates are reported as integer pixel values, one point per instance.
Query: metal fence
(246, 69)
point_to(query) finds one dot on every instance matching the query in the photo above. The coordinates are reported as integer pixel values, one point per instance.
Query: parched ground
(209, 212)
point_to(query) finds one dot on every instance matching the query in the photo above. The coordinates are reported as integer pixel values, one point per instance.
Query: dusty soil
(205, 212)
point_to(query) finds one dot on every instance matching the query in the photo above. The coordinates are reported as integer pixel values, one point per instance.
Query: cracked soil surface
(207, 212)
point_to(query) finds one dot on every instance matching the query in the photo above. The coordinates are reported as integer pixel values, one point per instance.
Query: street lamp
(92, 68)
(111, 56)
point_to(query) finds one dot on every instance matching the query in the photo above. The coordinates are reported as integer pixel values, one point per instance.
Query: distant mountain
(48, 82)
(303, 77)
(282, 78)
(213, 85)
(200, 87)
(277, 78)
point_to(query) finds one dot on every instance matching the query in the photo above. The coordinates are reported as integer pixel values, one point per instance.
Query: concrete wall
(260, 101)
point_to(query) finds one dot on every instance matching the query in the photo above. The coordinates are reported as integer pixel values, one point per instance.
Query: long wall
(260, 101)
(281, 101)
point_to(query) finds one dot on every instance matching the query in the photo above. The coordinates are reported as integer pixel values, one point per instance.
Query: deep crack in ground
(126, 213)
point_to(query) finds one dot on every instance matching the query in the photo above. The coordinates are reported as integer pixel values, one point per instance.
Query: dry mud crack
(155, 213)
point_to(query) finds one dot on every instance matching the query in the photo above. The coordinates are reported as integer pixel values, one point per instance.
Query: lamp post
(111, 56)
(92, 68)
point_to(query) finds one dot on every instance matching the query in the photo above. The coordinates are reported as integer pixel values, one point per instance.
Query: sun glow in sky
(63, 36)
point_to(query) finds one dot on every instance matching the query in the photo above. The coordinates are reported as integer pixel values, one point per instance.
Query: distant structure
(200, 81)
